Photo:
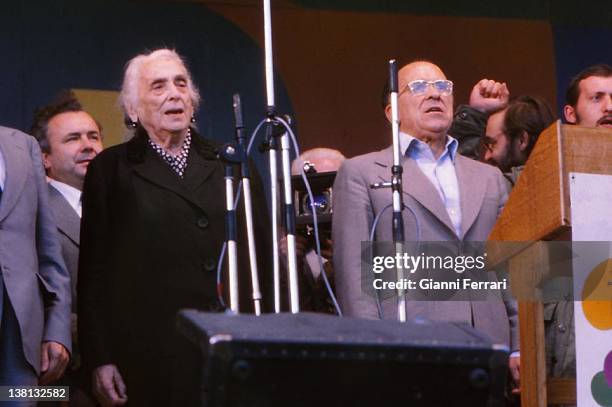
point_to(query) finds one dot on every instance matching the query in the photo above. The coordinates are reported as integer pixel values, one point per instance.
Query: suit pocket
(47, 292)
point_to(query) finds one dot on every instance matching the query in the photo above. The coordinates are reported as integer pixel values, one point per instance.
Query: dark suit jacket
(482, 191)
(34, 274)
(149, 247)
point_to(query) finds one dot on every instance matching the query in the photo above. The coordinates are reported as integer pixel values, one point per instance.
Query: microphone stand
(274, 139)
(271, 146)
(248, 203)
(289, 210)
(231, 154)
(272, 119)
(396, 187)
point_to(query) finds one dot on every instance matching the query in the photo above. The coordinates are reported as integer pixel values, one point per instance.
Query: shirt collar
(70, 193)
(410, 143)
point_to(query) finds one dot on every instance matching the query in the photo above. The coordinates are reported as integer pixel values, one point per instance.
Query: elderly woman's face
(164, 103)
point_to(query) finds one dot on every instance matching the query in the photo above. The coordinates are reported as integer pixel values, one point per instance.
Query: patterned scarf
(177, 162)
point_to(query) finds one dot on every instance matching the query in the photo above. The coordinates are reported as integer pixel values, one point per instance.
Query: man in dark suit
(454, 199)
(153, 228)
(69, 139)
(34, 282)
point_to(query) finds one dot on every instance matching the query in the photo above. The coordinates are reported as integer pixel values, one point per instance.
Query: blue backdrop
(47, 46)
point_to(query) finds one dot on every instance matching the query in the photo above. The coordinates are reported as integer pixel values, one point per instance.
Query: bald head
(324, 160)
(426, 114)
(418, 70)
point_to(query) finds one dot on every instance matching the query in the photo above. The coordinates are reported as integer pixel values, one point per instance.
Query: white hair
(128, 98)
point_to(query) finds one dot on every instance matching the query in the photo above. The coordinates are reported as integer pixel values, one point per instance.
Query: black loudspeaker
(320, 360)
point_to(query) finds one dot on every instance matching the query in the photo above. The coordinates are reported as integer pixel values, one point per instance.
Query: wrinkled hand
(489, 96)
(515, 371)
(54, 358)
(301, 244)
(108, 386)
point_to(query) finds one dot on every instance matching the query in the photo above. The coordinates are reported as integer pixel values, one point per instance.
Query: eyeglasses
(486, 144)
(419, 86)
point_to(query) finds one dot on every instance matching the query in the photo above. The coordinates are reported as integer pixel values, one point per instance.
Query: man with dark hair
(69, 139)
(589, 97)
(510, 136)
(589, 104)
(512, 132)
(487, 97)
(500, 133)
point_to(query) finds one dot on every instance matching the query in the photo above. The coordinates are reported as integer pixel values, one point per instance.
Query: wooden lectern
(538, 209)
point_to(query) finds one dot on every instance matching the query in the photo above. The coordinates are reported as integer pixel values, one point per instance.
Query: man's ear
(523, 141)
(46, 161)
(388, 112)
(570, 114)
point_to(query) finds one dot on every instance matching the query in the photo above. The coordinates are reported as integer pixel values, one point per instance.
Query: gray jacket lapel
(68, 221)
(415, 184)
(471, 192)
(15, 159)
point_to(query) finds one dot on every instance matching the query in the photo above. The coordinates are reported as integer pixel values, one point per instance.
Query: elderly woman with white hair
(152, 230)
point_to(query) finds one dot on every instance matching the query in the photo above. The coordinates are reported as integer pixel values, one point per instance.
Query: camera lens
(321, 203)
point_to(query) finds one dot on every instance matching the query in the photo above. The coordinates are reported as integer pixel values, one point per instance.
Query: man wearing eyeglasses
(512, 133)
(453, 197)
(487, 98)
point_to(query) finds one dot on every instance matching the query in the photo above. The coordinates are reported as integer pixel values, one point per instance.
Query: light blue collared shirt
(440, 172)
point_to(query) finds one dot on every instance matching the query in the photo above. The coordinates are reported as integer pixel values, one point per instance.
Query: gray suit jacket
(69, 228)
(34, 274)
(483, 192)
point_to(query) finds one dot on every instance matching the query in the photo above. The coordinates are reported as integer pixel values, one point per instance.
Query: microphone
(239, 124)
(241, 147)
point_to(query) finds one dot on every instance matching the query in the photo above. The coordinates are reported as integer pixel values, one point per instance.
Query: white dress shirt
(70, 193)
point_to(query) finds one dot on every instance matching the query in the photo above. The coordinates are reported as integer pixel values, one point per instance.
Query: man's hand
(515, 371)
(54, 358)
(489, 96)
(108, 386)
